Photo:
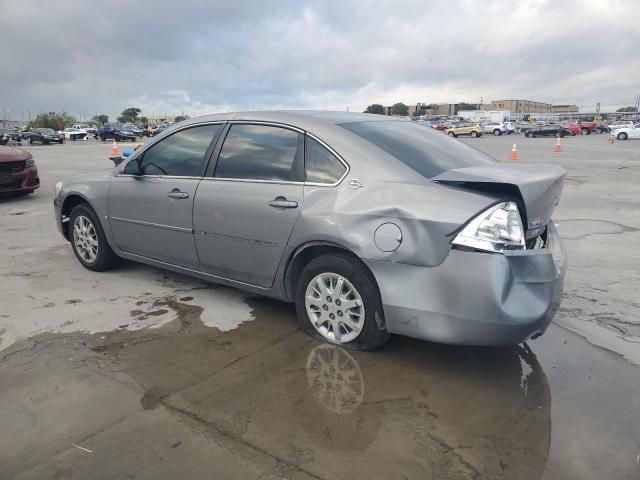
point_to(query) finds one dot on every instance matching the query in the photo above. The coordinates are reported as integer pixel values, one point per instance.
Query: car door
(151, 199)
(249, 201)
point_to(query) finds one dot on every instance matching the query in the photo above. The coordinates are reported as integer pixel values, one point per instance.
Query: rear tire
(497, 132)
(622, 136)
(474, 134)
(451, 134)
(92, 236)
(529, 135)
(558, 135)
(584, 131)
(357, 325)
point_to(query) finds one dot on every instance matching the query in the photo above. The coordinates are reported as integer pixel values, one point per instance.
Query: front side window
(321, 165)
(180, 154)
(427, 152)
(260, 152)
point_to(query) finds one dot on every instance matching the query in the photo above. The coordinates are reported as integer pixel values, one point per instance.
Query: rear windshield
(427, 151)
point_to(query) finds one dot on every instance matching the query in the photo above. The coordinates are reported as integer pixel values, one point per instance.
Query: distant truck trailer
(485, 115)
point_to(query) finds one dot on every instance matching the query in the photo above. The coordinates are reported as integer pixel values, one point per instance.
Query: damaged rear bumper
(475, 298)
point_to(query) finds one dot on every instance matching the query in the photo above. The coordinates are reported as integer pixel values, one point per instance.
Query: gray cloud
(199, 57)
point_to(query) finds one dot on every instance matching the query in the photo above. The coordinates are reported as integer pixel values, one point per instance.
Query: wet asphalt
(140, 373)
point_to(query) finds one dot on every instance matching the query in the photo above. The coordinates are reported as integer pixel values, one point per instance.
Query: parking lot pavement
(141, 373)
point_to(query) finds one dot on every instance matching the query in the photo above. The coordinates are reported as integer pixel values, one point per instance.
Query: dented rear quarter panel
(425, 212)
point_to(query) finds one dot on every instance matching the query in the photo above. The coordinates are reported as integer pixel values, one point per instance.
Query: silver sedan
(371, 225)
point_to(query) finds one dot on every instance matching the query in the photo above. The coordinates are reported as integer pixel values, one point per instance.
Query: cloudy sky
(200, 57)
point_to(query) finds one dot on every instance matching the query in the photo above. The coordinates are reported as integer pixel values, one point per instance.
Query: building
(518, 106)
(413, 110)
(153, 119)
(564, 109)
(448, 109)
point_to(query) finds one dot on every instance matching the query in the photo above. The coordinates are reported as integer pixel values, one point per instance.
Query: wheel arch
(68, 204)
(306, 252)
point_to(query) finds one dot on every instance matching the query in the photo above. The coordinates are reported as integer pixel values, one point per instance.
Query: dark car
(133, 128)
(111, 131)
(45, 136)
(557, 131)
(602, 128)
(18, 172)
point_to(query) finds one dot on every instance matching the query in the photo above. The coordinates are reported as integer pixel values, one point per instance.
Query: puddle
(409, 410)
(126, 301)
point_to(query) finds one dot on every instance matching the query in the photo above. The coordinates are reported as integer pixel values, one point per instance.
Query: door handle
(282, 202)
(175, 193)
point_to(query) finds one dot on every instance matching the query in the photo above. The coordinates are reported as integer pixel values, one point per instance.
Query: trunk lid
(536, 188)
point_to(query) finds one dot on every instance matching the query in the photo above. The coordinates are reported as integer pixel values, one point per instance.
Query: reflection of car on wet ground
(371, 225)
(18, 172)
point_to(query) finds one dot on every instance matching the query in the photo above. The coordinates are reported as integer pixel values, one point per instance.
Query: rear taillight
(496, 229)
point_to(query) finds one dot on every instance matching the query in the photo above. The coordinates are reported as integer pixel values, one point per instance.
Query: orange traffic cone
(115, 152)
(557, 148)
(514, 153)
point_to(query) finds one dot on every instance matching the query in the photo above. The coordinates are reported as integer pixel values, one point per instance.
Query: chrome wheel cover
(335, 379)
(85, 239)
(334, 307)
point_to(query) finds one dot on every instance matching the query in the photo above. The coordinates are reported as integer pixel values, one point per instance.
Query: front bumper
(475, 298)
(24, 180)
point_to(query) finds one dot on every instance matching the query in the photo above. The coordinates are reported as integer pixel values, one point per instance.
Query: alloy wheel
(334, 307)
(85, 239)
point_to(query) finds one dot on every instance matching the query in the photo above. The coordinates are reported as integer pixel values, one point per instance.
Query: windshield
(48, 131)
(428, 152)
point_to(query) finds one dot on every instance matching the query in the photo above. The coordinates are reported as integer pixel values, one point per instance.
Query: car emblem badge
(355, 183)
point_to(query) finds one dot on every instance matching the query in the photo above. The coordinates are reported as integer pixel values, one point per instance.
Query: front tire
(337, 301)
(529, 135)
(497, 132)
(451, 134)
(474, 134)
(622, 136)
(584, 131)
(88, 240)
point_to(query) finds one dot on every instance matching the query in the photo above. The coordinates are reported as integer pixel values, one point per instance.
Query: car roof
(305, 119)
(364, 157)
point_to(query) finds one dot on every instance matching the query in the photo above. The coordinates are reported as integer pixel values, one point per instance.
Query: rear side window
(180, 154)
(260, 152)
(321, 165)
(428, 152)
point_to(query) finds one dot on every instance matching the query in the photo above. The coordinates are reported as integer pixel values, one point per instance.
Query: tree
(626, 109)
(101, 119)
(129, 115)
(144, 120)
(179, 118)
(375, 108)
(56, 121)
(400, 109)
